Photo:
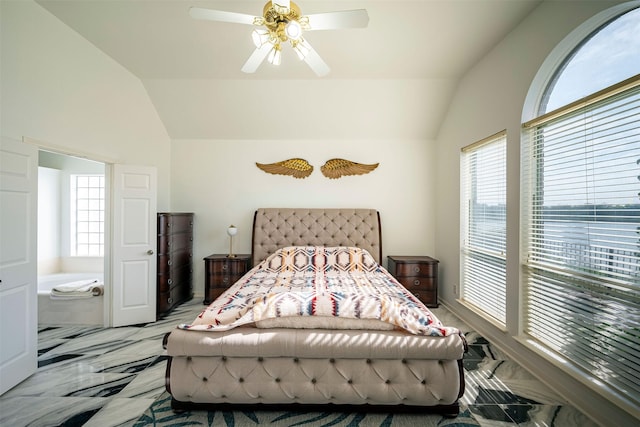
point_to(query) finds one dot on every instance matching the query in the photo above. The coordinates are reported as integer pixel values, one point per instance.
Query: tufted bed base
(327, 382)
(374, 370)
(365, 370)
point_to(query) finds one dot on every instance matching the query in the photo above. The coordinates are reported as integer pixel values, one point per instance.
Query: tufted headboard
(275, 228)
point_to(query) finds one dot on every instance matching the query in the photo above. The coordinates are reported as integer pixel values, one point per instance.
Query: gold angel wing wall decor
(297, 168)
(337, 168)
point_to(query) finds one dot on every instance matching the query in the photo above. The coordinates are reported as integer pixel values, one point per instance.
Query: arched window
(581, 211)
(607, 56)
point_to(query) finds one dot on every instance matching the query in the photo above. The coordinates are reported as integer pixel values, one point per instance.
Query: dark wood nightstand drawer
(428, 298)
(220, 272)
(419, 274)
(416, 269)
(413, 283)
(227, 267)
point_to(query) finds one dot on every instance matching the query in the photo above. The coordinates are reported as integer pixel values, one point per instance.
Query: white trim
(589, 381)
(47, 146)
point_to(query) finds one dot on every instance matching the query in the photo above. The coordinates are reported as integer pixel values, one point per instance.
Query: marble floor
(91, 376)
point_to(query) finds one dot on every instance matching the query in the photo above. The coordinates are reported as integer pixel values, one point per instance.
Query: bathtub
(86, 311)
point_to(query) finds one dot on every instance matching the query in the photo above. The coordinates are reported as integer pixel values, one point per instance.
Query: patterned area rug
(161, 414)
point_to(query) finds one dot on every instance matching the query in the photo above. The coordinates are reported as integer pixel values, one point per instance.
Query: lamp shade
(232, 230)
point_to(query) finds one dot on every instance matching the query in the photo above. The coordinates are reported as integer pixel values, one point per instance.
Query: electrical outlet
(455, 289)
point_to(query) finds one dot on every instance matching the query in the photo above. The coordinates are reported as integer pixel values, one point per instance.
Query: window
(483, 257)
(584, 72)
(87, 215)
(581, 275)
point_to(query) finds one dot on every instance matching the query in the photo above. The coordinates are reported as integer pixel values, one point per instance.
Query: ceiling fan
(282, 22)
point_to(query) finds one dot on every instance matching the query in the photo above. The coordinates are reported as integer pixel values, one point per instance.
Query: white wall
(220, 183)
(490, 98)
(48, 220)
(58, 88)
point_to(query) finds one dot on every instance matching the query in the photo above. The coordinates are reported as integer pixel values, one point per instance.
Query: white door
(18, 262)
(133, 245)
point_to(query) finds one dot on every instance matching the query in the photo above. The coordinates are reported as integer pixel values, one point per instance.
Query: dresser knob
(224, 266)
(416, 269)
(416, 282)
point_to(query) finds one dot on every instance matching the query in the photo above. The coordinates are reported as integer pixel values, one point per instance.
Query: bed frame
(356, 369)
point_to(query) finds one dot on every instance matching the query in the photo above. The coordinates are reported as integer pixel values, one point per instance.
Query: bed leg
(451, 411)
(178, 407)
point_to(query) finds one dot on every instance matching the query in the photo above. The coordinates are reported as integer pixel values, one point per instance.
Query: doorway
(71, 240)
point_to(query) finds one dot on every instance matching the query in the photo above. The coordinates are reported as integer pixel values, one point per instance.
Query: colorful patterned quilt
(343, 282)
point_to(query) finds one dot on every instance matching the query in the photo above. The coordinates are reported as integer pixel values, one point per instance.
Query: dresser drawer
(180, 276)
(168, 243)
(175, 223)
(174, 260)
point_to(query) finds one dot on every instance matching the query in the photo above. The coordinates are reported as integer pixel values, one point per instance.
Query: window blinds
(483, 257)
(581, 172)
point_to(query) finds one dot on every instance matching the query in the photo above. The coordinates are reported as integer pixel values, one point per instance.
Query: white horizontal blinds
(582, 239)
(483, 256)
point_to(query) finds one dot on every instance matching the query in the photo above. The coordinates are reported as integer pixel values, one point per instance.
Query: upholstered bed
(317, 321)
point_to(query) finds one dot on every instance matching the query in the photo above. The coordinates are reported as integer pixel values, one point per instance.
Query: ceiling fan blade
(358, 18)
(316, 63)
(221, 15)
(256, 58)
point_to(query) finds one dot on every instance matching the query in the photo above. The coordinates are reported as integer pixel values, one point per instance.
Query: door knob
(150, 252)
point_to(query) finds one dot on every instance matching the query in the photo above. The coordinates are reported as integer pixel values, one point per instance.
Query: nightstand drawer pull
(224, 266)
(416, 282)
(416, 269)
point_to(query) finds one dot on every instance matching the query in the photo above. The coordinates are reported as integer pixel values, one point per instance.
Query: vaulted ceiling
(190, 66)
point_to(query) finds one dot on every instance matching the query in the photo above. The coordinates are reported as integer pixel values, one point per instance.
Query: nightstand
(419, 274)
(220, 272)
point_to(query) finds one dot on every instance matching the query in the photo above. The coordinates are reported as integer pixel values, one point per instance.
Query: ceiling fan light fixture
(284, 22)
(260, 36)
(275, 55)
(293, 30)
(302, 48)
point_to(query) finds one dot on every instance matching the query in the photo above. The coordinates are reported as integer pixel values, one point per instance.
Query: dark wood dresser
(419, 274)
(175, 260)
(220, 272)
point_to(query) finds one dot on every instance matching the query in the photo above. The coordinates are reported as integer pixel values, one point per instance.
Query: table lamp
(231, 231)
